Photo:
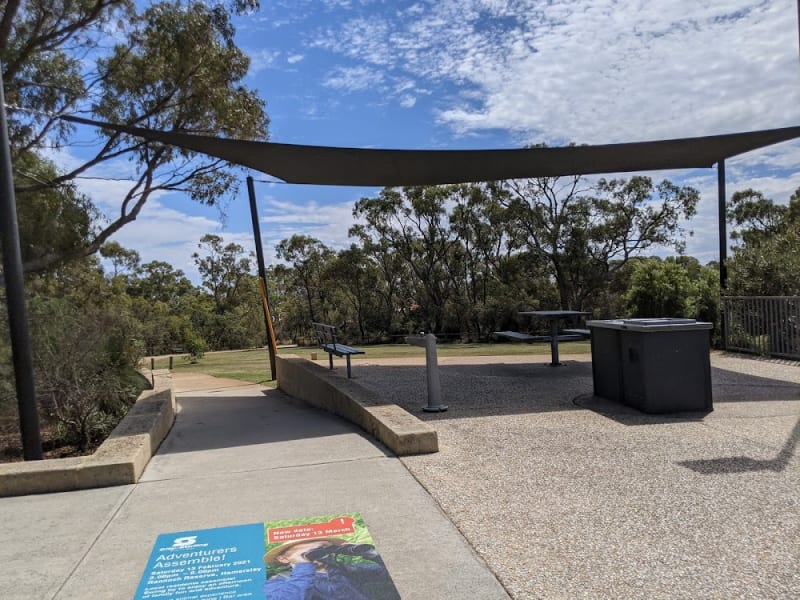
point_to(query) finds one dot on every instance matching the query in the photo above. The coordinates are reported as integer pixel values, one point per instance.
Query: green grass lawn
(253, 365)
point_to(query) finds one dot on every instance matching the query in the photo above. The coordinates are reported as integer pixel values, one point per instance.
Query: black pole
(15, 297)
(262, 272)
(723, 248)
(723, 231)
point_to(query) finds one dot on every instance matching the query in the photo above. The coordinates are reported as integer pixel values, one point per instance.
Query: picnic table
(553, 317)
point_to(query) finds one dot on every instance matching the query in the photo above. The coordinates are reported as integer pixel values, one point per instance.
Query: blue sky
(451, 74)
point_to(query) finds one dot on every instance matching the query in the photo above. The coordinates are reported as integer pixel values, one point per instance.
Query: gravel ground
(565, 495)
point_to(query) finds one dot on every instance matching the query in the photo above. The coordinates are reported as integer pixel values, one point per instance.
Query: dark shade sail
(322, 165)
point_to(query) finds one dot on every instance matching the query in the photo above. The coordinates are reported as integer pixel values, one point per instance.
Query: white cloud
(598, 71)
(106, 183)
(590, 72)
(164, 233)
(294, 58)
(328, 223)
(360, 38)
(627, 72)
(262, 59)
(353, 79)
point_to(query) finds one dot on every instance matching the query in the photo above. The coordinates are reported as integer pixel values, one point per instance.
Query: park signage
(331, 556)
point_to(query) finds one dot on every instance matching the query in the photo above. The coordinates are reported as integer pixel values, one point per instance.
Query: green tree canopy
(755, 217)
(414, 222)
(308, 258)
(178, 68)
(659, 289)
(585, 233)
(223, 268)
(52, 220)
(765, 260)
(122, 260)
(159, 281)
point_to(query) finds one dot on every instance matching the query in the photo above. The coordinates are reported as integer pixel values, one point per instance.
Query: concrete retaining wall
(119, 460)
(400, 431)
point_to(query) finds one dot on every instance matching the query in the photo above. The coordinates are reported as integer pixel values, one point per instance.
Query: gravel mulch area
(565, 495)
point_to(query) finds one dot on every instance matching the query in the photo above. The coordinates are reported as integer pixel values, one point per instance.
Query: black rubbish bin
(654, 365)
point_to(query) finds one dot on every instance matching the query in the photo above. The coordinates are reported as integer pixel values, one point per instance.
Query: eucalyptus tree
(480, 222)
(170, 65)
(308, 258)
(159, 281)
(224, 269)
(52, 220)
(393, 279)
(124, 261)
(585, 232)
(756, 218)
(414, 223)
(766, 236)
(355, 278)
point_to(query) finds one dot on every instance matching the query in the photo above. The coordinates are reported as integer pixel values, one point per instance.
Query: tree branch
(12, 6)
(55, 36)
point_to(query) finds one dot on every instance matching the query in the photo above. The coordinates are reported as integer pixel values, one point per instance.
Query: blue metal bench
(326, 336)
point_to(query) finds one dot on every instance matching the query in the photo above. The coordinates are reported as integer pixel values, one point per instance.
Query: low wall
(398, 430)
(119, 460)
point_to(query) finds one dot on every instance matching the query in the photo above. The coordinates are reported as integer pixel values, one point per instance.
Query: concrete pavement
(237, 454)
(563, 495)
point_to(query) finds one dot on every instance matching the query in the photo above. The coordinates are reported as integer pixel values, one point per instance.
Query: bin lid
(658, 321)
(651, 324)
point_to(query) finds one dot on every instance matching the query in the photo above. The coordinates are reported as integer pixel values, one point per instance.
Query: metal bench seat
(326, 336)
(516, 336)
(530, 339)
(584, 333)
(340, 349)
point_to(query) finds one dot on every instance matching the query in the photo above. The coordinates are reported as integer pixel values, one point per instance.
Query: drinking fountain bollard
(428, 341)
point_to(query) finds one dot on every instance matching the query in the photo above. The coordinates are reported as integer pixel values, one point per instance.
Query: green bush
(83, 364)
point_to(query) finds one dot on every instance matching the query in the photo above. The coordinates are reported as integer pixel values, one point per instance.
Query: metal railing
(766, 325)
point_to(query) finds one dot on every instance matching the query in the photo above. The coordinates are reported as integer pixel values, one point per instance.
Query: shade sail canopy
(322, 165)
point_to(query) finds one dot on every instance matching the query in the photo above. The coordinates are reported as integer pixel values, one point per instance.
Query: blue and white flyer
(330, 557)
(209, 564)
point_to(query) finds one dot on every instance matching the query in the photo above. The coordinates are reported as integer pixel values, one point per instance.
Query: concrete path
(237, 454)
(561, 494)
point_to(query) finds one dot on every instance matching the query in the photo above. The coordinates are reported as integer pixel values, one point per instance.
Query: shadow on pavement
(625, 415)
(271, 417)
(472, 390)
(745, 464)
(730, 386)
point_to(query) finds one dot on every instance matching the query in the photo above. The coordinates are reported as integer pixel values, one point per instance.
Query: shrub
(82, 365)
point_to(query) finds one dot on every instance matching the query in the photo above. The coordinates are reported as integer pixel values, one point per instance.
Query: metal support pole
(723, 249)
(554, 362)
(723, 229)
(428, 342)
(15, 298)
(262, 274)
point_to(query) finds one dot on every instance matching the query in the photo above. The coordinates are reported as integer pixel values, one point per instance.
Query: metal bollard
(428, 341)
